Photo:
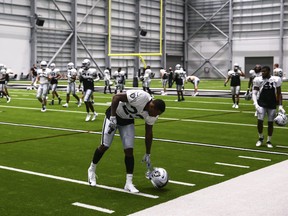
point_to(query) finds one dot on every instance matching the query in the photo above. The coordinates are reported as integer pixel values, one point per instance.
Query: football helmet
(52, 66)
(70, 65)
(281, 119)
(43, 64)
(177, 67)
(159, 177)
(86, 63)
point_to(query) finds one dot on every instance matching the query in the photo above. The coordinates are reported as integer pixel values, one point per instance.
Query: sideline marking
(206, 173)
(181, 183)
(93, 207)
(76, 181)
(279, 146)
(155, 139)
(232, 165)
(254, 158)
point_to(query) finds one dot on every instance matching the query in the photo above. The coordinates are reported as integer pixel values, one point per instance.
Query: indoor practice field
(201, 141)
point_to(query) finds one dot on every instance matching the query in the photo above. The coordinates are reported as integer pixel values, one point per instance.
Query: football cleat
(65, 105)
(236, 106)
(8, 99)
(59, 101)
(131, 188)
(91, 177)
(94, 116)
(88, 117)
(259, 142)
(43, 109)
(52, 102)
(269, 144)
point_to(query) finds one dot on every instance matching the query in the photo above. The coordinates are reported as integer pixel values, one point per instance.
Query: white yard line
(75, 181)
(156, 139)
(254, 158)
(279, 146)
(181, 183)
(206, 173)
(96, 208)
(232, 165)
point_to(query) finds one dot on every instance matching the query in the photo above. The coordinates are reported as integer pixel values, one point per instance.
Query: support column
(33, 34)
(74, 46)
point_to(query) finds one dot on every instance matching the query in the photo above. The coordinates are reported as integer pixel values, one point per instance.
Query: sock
(93, 166)
(129, 178)
(97, 156)
(261, 136)
(129, 162)
(269, 138)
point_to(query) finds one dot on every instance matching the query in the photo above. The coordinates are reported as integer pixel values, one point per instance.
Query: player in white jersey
(71, 87)
(148, 74)
(88, 76)
(55, 76)
(43, 77)
(278, 71)
(107, 80)
(235, 84)
(124, 109)
(256, 72)
(164, 77)
(119, 77)
(195, 81)
(266, 96)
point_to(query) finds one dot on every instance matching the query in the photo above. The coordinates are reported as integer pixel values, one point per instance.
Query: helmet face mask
(53, 66)
(281, 119)
(86, 63)
(43, 64)
(159, 177)
(70, 65)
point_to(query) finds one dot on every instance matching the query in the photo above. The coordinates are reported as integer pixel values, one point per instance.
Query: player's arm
(115, 101)
(148, 137)
(279, 100)
(227, 80)
(250, 83)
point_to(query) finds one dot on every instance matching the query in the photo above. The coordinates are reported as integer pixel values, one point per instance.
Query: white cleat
(8, 99)
(91, 178)
(269, 144)
(79, 103)
(65, 105)
(131, 188)
(94, 116)
(236, 106)
(197, 93)
(259, 142)
(43, 109)
(88, 117)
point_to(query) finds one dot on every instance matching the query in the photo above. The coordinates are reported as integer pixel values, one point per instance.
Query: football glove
(281, 109)
(258, 109)
(113, 124)
(147, 160)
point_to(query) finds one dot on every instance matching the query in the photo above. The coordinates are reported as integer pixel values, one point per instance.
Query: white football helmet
(53, 66)
(86, 63)
(43, 64)
(177, 67)
(159, 177)
(2, 66)
(281, 119)
(70, 65)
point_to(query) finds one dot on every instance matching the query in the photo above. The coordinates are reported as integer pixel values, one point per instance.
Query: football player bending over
(124, 109)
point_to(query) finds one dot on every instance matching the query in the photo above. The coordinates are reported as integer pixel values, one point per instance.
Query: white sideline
(262, 192)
